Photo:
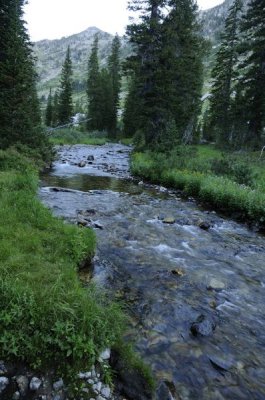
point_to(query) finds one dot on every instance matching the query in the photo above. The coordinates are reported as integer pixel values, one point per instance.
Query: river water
(171, 274)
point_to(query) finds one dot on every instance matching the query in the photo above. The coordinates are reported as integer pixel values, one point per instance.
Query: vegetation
(237, 105)
(166, 72)
(231, 183)
(65, 102)
(19, 107)
(46, 317)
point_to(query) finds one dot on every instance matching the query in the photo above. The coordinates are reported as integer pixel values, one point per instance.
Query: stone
(90, 382)
(58, 385)
(100, 398)
(97, 387)
(97, 225)
(178, 272)
(3, 369)
(169, 220)
(81, 222)
(106, 392)
(204, 225)
(84, 375)
(35, 384)
(90, 158)
(16, 396)
(203, 326)
(221, 362)
(22, 383)
(105, 355)
(4, 382)
(215, 284)
(82, 164)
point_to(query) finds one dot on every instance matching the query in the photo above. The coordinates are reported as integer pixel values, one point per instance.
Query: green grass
(75, 136)
(46, 316)
(233, 183)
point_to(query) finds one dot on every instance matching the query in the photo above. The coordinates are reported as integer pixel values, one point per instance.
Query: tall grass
(46, 316)
(233, 183)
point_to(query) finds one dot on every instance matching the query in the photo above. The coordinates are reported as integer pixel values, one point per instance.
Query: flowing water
(169, 274)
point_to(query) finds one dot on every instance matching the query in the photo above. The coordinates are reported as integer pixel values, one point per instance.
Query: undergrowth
(46, 316)
(232, 183)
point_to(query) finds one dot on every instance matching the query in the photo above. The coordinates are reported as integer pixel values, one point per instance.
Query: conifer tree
(49, 110)
(251, 86)
(167, 68)
(94, 89)
(19, 107)
(224, 75)
(65, 103)
(114, 68)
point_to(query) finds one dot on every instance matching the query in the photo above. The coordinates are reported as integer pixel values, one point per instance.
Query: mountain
(213, 20)
(50, 55)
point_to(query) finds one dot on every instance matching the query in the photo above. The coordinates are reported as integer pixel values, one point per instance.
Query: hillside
(213, 20)
(50, 56)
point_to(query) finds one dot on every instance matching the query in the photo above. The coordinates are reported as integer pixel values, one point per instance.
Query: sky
(53, 19)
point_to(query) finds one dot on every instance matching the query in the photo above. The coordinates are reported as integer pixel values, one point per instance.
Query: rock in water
(204, 225)
(82, 164)
(203, 326)
(169, 220)
(90, 158)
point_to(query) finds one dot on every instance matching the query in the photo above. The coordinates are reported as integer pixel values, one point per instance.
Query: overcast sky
(52, 19)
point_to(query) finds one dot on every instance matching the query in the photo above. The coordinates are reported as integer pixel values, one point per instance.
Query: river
(171, 274)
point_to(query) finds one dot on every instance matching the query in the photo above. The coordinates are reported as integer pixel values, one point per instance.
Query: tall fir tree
(49, 110)
(114, 68)
(19, 107)
(167, 72)
(65, 102)
(224, 74)
(251, 86)
(94, 89)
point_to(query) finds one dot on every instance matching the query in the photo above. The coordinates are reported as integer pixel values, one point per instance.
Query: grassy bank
(75, 136)
(46, 316)
(232, 183)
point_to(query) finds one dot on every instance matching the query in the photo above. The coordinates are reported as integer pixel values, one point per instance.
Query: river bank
(229, 184)
(192, 282)
(50, 325)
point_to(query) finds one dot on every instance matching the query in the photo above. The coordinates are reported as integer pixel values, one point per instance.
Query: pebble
(35, 384)
(16, 396)
(23, 383)
(58, 385)
(3, 369)
(105, 355)
(84, 375)
(105, 391)
(3, 383)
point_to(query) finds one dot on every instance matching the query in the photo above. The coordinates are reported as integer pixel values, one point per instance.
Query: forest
(195, 126)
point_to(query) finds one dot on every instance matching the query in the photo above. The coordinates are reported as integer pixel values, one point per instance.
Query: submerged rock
(204, 225)
(82, 164)
(203, 326)
(169, 220)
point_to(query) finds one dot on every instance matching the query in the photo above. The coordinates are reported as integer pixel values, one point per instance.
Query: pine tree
(182, 66)
(167, 72)
(19, 107)
(94, 89)
(65, 109)
(55, 107)
(224, 75)
(49, 110)
(114, 68)
(251, 87)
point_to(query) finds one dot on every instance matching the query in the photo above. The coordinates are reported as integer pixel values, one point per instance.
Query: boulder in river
(82, 164)
(204, 225)
(203, 326)
(169, 220)
(90, 158)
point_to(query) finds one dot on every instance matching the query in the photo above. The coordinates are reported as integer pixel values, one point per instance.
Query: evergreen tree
(55, 107)
(167, 68)
(251, 87)
(49, 110)
(224, 74)
(65, 109)
(19, 107)
(114, 68)
(94, 89)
